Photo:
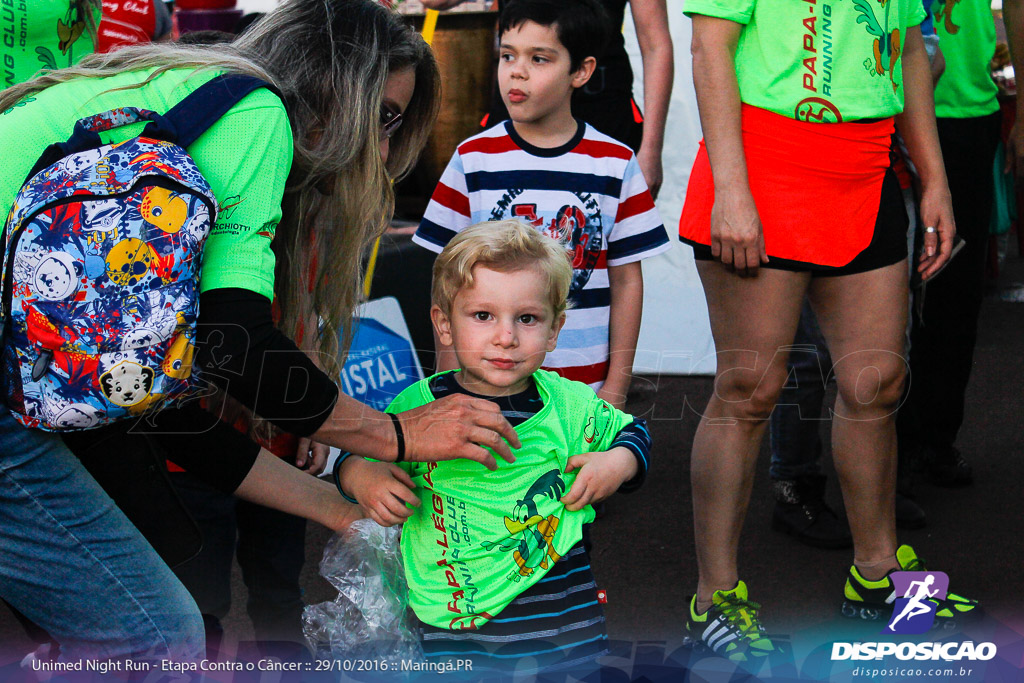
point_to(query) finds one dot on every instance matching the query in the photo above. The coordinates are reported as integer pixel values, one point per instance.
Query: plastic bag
(370, 617)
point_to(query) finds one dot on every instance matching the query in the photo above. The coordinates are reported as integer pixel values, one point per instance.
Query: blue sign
(381, 362)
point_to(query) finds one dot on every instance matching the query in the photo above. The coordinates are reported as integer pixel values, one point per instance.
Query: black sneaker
(873, 600)
(909, 515)
(801, 512)
(946, 467)
(730, 627)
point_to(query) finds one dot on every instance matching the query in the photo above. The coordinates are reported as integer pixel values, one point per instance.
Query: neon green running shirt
(481, 538)
(967, 38)
(245, 156)
(819, 60)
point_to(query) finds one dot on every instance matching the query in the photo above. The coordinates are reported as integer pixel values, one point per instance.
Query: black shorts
(888, 242)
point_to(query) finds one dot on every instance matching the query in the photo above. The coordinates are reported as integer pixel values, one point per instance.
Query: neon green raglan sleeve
(739, 11)
(246, 156)
(609, 421)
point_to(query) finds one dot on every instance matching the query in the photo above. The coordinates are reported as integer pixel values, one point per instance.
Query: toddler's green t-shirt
(480, 538)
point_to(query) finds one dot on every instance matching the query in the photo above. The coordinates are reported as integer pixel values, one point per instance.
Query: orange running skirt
(817, 186)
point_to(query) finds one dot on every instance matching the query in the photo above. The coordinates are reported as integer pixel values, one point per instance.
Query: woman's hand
(736, 237)
(458, 427)
(936, 212)
(650, 166)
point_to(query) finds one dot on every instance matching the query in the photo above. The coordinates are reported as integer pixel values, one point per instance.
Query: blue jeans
(72, 562)
(796, 421)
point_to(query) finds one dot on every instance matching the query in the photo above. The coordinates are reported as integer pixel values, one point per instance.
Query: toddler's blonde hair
(504, 246)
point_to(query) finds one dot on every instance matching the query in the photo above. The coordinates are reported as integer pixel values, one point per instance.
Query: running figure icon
(915, 605)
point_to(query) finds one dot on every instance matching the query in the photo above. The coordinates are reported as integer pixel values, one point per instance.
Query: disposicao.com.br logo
(914, 600)
(914, 612)
(947, 652)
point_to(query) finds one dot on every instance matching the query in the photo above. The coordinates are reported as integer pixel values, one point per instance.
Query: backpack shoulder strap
(182, 125)
(194, 115)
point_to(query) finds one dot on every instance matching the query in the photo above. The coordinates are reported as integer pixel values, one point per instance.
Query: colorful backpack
(101, 262)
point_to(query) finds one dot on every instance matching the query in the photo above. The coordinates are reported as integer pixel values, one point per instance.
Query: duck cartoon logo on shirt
(886, 45)
(69, 31)
(530, 533)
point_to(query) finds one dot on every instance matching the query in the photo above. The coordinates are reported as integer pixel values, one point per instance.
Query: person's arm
(938, 66)
(1013, 19)
(600, 475)
(917, 126)
(619, 460)
(273, 483)
(736, 237)
(606, 472)
(446, 429)
(627, 293)
(650, 17)
(242, 351)
(637, 439)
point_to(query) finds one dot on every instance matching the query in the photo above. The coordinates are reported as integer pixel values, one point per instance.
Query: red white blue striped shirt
(590, 193)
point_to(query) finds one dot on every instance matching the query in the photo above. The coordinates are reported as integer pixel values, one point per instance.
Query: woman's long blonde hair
(330, 60)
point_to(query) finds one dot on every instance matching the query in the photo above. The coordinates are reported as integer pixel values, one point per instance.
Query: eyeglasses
(390, 120)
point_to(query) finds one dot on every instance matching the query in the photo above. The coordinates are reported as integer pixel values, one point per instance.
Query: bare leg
(751, 318)
(863, 318)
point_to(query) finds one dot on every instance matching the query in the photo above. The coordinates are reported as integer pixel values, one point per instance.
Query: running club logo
(818, 110)
(914, 612)
(886, 45)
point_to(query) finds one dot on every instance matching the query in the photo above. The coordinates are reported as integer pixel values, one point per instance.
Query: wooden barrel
(464, 48)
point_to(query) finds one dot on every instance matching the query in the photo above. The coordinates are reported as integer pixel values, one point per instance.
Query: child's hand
(601, 474)
(311, 456)
(381, 488)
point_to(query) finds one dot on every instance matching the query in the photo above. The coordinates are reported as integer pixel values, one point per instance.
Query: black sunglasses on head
(390, 120)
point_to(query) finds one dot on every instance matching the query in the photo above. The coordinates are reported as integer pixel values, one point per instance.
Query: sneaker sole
(859, 611)
(827, 544)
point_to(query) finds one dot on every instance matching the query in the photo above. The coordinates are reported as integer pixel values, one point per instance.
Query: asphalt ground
(643, 546)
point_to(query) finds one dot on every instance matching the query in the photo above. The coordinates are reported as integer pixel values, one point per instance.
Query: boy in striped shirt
(496, 563)
(565, 179)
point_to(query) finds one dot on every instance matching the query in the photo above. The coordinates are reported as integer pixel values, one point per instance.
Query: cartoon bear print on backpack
(55, 277)
(103, 248)
(124, 380)
(67, 415)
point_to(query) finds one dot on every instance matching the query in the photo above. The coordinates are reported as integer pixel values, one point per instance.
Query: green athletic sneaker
(873, 600)
(730, 627)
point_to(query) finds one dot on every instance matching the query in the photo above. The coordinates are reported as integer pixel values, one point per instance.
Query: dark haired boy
(564, 178)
